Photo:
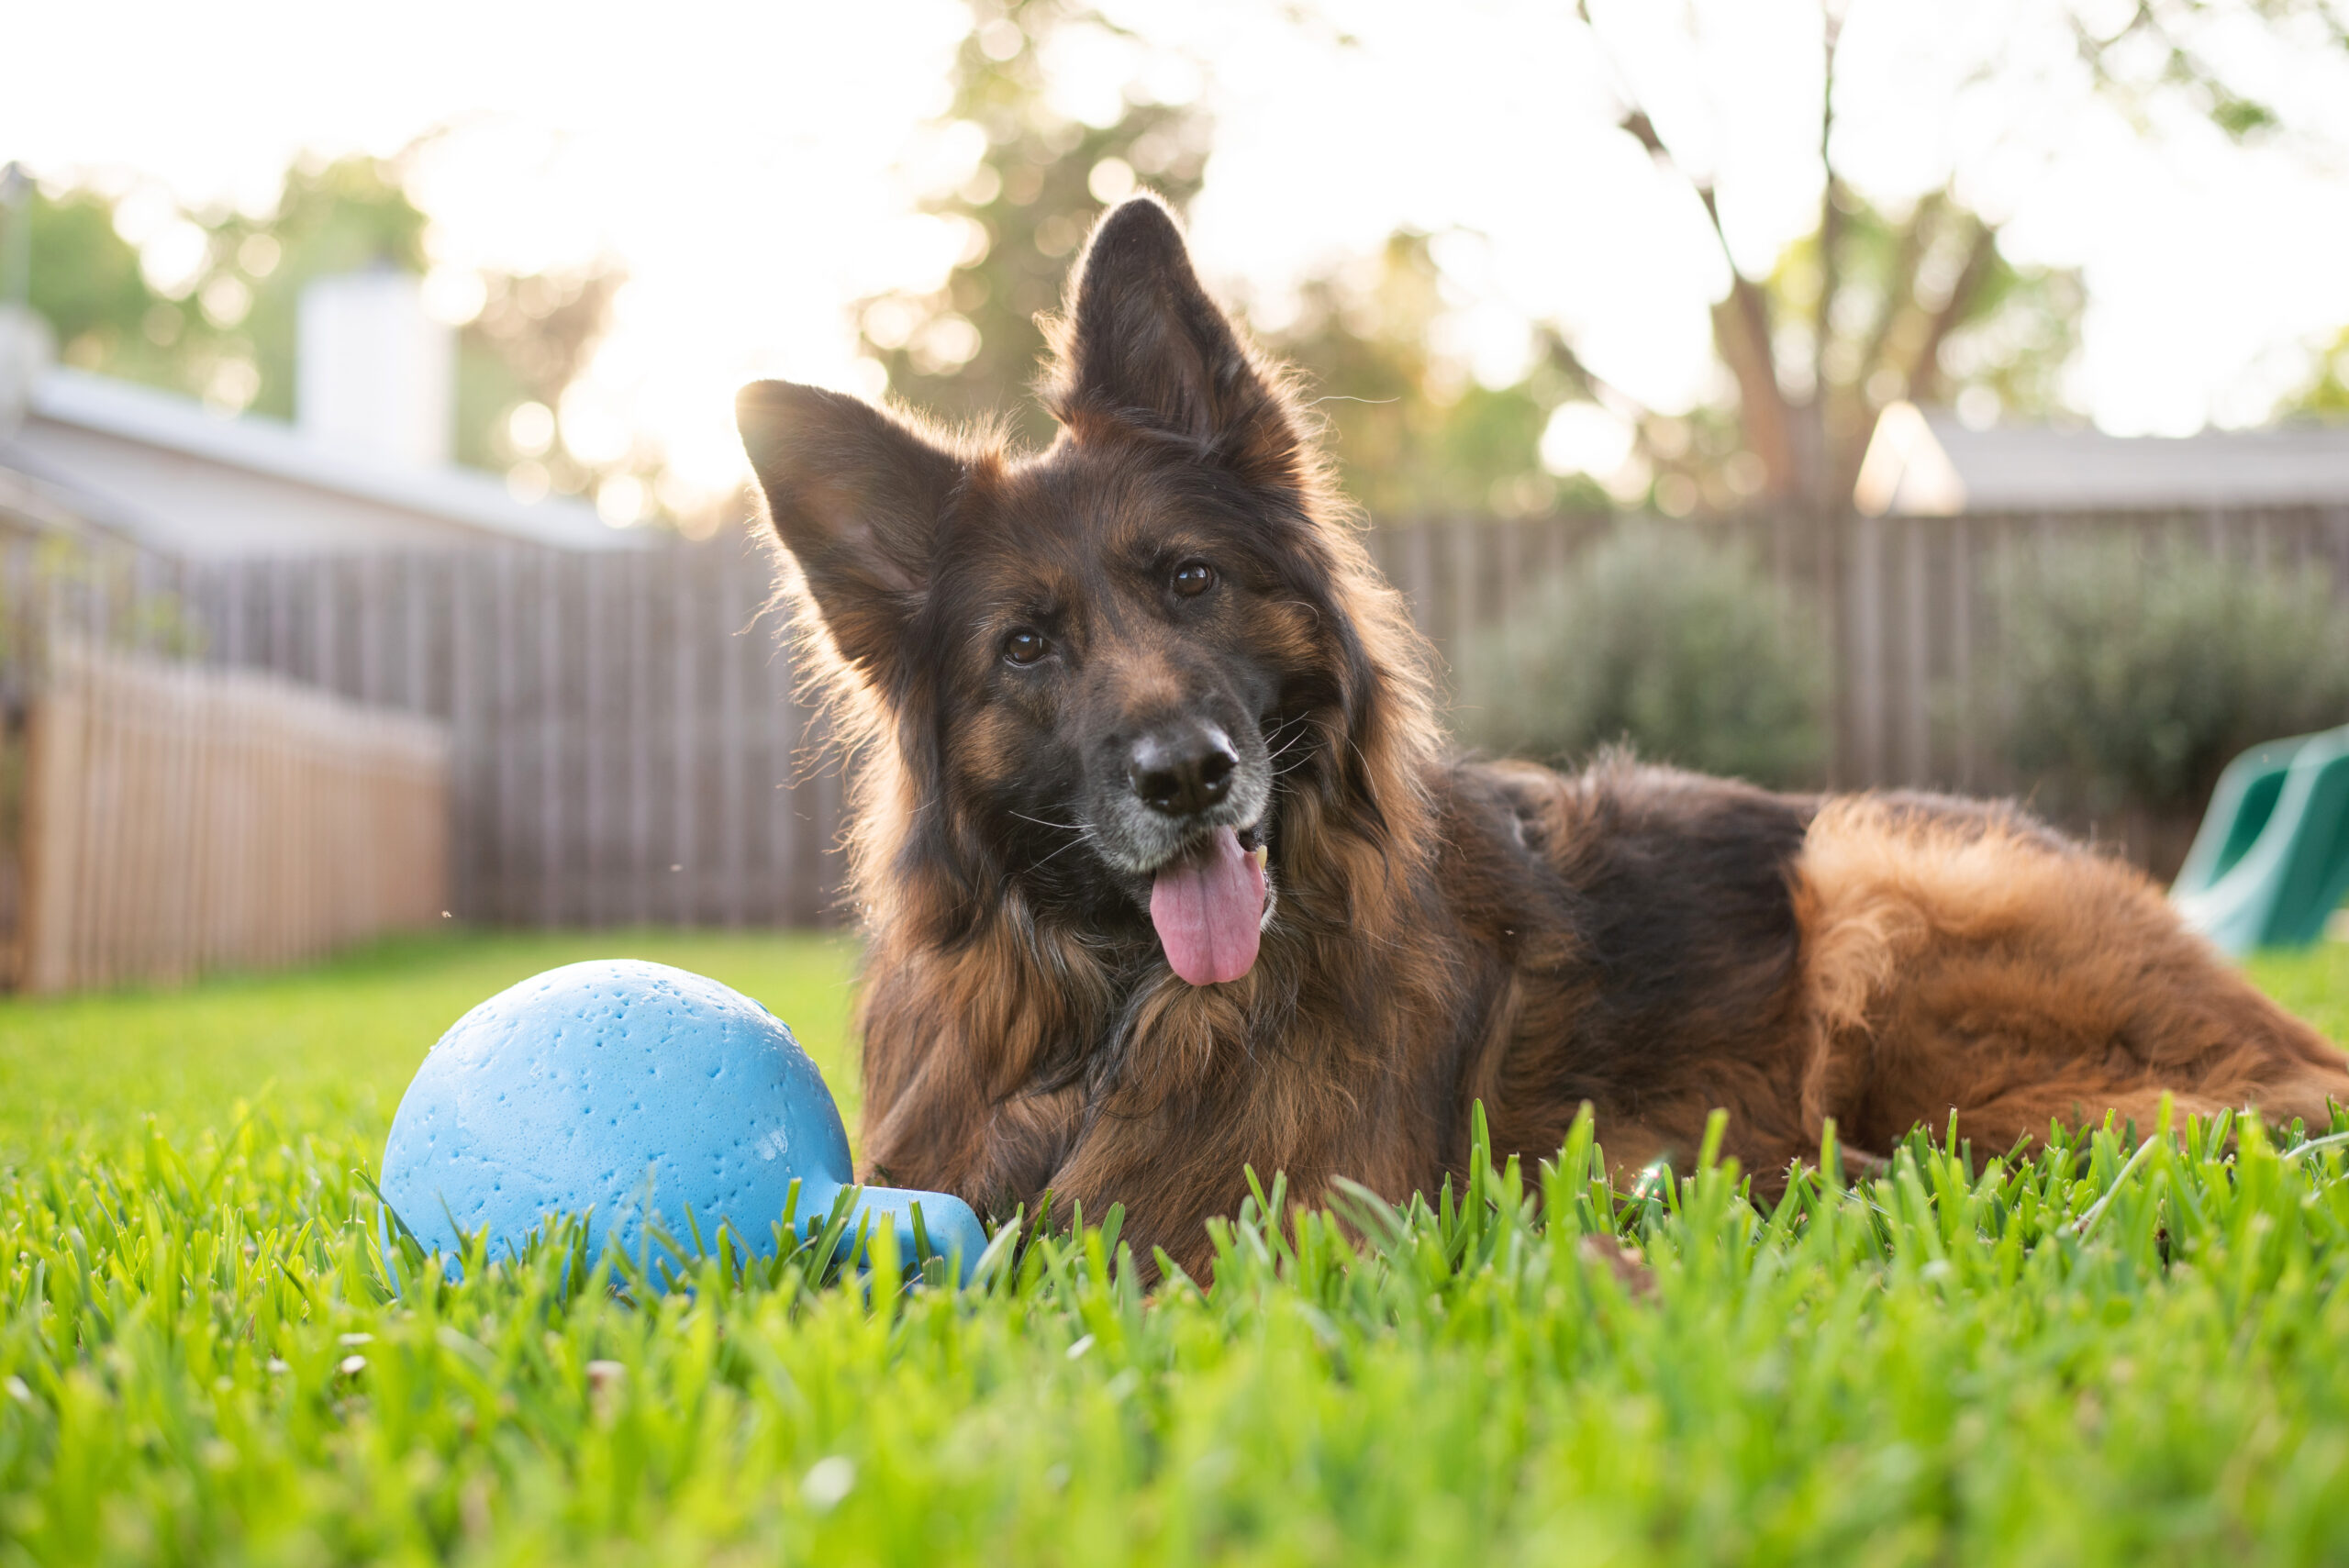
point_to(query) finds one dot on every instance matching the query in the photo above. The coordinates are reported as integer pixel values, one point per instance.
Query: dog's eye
(1192, 578)
(1024, 646)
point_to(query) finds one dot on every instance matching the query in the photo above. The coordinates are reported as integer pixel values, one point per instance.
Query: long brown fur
(1443, 933)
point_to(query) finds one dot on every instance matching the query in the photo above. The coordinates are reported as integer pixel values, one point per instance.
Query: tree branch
(1606, 393)
(1818, 417)
(1740, 331)
(1588, 382)
(1925, 370)
(1900, 286)
(1740, 323)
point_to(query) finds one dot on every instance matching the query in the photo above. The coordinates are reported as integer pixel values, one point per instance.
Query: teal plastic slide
(2271, 861)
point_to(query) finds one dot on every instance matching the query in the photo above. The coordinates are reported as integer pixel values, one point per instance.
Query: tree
(1413, 437)
(223, 326)
(85, 280)
(969, 349)
(1918, 304)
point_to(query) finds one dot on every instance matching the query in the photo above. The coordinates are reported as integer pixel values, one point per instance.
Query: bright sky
(755, 165)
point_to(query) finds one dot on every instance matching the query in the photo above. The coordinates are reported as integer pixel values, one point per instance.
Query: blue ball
(626, 1092)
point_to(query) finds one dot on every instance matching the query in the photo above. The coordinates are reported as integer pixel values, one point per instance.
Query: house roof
(1926, 463)
(161, 469)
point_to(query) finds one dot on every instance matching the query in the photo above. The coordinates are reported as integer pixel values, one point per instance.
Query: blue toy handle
(952, 1232)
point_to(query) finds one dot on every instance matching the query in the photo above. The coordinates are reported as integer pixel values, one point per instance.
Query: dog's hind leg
(1962, 965)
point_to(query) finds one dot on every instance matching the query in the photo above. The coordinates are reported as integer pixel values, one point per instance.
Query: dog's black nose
(1182, 772)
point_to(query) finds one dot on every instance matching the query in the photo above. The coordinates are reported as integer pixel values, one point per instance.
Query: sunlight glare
(596, 430)
(1086, 69)
(143, 213)
(226, 299)
(173, 257)
(1583, 438)
(529, 428)
(1111, 182)
(529, 481)
(890, 320)
(454, 295)
(259, 254)
(232, 387)
(944, 343)
(1000, 39)
(620, 501)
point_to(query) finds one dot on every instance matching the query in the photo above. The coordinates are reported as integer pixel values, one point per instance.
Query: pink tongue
(1208, 909)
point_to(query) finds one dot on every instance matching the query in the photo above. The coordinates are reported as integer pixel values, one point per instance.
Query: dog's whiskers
(1308, 754)
(1284, 727)
(1083, 834)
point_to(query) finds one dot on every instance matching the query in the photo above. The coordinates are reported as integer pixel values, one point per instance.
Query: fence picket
(555, 780)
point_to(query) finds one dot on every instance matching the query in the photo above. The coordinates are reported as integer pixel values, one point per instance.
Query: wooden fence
(1921, 666)
(177, 819)
(627, 748)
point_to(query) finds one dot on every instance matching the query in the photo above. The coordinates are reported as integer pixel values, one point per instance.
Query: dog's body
(1167, 874)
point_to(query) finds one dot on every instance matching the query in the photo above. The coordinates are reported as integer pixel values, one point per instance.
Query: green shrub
(2138, 671)
(1678, 644)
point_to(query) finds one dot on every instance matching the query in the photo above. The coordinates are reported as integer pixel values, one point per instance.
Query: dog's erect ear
(857, 497)
(1142, 344)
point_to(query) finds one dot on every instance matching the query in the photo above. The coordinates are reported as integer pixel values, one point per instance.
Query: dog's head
(1111, 670)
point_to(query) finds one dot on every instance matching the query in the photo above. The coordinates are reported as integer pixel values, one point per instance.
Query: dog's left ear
(1142, 345)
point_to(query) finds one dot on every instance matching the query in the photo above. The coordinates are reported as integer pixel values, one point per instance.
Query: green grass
(199, 1361)
(2314, 983)
(335, 1045)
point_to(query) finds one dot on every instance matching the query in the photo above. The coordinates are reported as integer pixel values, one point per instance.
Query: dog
(1167, 871)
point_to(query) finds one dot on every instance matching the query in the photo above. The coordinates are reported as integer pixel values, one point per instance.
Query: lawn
(2082, 1357)
(334, 1045)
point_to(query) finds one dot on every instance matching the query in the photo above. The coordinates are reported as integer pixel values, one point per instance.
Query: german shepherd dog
(1166, 870)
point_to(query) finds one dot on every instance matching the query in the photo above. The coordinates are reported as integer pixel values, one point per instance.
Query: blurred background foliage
(1415, 435)
(2325, 394)
(970, 349)
(2139, 672)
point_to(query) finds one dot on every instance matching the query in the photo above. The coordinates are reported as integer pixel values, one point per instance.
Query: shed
(1928, 464)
